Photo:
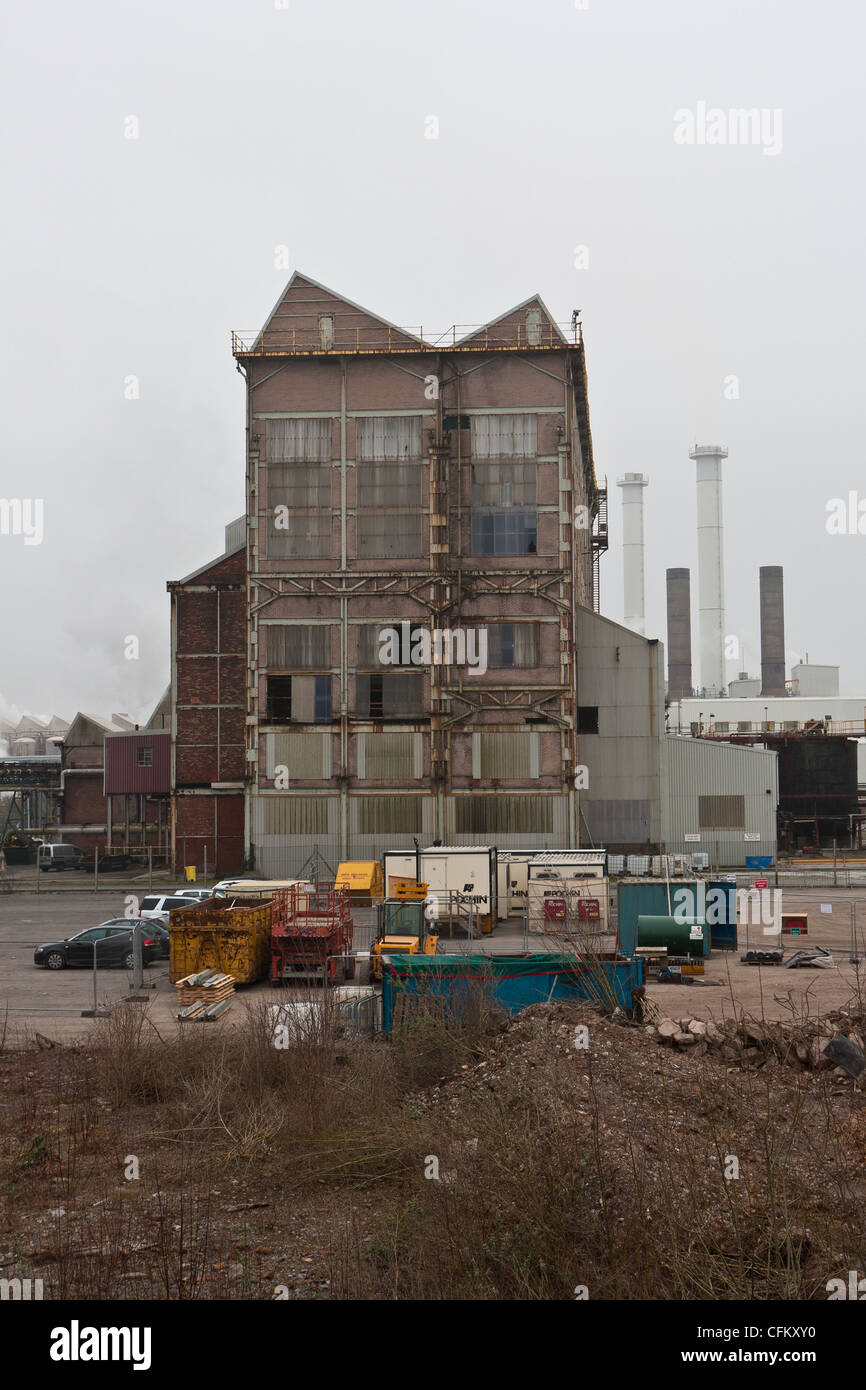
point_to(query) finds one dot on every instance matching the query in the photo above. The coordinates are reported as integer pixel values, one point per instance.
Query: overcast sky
(261, 126)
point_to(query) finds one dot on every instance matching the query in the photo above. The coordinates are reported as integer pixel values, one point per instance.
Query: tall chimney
(679, 634)
(772, 630)
(632, 485)
(711, 569)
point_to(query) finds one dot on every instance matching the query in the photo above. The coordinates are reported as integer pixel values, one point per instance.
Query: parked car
(154, 929)
(197, 894)
(156, 906)
(59, 857)
(113, 863)
(113, 946)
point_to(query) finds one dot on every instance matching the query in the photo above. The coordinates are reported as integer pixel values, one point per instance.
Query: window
(388, 535)
(504, 518)
(279, 699)
(386, 696)
(291, 645)
(304, 440)
(721, 812)
(512, 644)
(298, 520)
(369, 642)
(382, 438)
(587, 719)
(298, 699)
(504, 533)
(533, 327)
(721, 727)
(145, 757)
(504, 436)
(389, 509)
(744, 726)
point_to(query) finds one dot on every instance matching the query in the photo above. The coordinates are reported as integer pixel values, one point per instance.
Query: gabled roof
(533, 302)
(84, 726)
(301, 281)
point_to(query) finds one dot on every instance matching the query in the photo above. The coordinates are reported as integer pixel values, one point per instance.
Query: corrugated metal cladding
(386, 757)
(307, 756)
(236, 534)
(522, 822)
(375, 822)
(618, 822)
(505, 755)
(286, 829)
(138, 763)
(694, 769)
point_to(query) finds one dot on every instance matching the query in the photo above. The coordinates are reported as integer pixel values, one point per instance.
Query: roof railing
(281, 340)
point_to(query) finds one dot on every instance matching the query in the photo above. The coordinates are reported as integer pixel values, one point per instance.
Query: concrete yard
(34, 999)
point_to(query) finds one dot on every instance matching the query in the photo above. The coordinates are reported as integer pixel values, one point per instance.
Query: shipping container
(509, 983)
(698, 898)
(232, 935)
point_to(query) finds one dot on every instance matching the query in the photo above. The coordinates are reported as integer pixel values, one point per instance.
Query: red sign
(760, 883)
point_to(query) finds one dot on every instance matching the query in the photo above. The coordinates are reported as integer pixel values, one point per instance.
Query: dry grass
(557, 1166)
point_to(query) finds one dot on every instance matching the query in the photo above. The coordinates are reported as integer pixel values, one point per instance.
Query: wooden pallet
(205, 987)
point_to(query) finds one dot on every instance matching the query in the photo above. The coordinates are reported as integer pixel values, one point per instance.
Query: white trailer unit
(512, 874)
(570, 863)
(466, 869)
(516, 867)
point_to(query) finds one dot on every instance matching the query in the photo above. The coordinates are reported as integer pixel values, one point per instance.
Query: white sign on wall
(693, 839)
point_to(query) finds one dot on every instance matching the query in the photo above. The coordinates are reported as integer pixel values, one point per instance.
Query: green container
(672, 932)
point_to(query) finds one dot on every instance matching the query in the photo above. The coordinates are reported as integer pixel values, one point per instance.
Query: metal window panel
(533, 816)
(300, 440)
(390, 756)
(306, 755)
(292, 645)
(384, 437)
(393, 485)
(294, 815)
(505, 755)
(722, 812)
(388, 535)
(389, 815)
(504, 436)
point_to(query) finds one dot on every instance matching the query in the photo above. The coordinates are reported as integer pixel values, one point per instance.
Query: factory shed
(719, 799)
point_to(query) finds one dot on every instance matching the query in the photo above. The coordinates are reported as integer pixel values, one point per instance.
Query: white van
(59, 857)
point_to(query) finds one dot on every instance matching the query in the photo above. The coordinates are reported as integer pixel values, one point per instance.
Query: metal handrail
(285, 341)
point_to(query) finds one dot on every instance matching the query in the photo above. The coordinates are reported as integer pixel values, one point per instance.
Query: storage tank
(679, 936)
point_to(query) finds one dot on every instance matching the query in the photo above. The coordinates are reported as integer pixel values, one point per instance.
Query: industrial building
(402, 637)
(442, 483)
(819, 738)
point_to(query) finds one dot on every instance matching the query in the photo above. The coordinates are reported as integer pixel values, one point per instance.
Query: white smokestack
(634, 613)
(711, 568)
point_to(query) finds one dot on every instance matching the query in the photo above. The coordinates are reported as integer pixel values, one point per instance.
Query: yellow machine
(402, 931)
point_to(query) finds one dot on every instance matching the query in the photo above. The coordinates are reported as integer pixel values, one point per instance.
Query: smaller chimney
(679, 634)
(772, 630)
(634, 613)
